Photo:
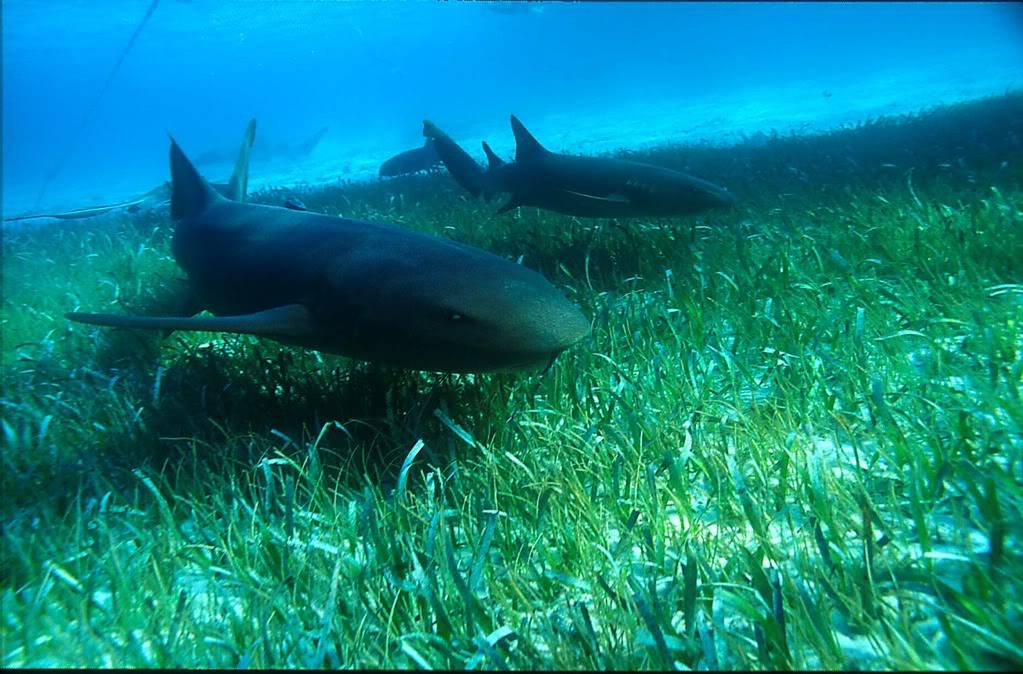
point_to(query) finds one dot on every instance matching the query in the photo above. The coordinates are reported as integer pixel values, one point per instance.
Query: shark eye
(454, 315)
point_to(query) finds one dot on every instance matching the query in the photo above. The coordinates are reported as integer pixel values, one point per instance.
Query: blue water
(584, 77)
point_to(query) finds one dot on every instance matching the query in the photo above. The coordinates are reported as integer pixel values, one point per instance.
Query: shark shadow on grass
(234, 399)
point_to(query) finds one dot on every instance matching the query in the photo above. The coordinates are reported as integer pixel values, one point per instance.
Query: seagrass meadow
(793, 439)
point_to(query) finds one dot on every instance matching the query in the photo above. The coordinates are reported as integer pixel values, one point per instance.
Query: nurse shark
(365, 290)
(595, 187)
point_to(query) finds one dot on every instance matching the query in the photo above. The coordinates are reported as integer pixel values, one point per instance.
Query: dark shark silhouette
(364, 290)
(268, 152)
(235, 188)
(582, 186)
(411, 161)
(459, 164)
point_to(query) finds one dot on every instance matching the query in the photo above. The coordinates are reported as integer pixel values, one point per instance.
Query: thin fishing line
(95, 104)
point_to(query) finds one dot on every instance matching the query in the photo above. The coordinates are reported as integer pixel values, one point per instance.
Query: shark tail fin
(307, 146)
(238, 187)
(526, 146)
(431, 132)
(190, 193)
(493, 161)
(462, 167)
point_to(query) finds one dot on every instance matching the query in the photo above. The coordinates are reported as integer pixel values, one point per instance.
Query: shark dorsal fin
(493, 161)
(190, 193)
(238, 186)
(526, 146)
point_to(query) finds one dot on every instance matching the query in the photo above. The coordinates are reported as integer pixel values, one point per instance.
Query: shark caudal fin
(432, 132)
(460, 165)
(190, 193)
(526, 146)
(238, 186)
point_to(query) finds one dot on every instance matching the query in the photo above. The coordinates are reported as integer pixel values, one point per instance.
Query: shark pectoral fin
(613, 197)
(290, 320)
(184, 300)
(512, 203)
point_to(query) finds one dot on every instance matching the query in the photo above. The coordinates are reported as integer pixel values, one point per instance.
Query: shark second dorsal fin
(526, 146)
(493, 161)
(238, 186)
(190, 193)
(291, 320)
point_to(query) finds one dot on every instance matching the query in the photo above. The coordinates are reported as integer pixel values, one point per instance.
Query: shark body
(584, 186)
(369, 291)
(411, 161)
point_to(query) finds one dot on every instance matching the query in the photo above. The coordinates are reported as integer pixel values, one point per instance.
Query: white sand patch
(722, 119)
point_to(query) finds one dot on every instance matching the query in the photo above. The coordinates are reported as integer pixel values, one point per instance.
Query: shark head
(687, 194)
(453, 308)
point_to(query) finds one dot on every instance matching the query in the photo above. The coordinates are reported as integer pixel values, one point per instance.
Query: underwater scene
(512, 335)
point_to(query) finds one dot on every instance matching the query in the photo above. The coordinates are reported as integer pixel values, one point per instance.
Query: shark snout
(572, 327)
(550, 328)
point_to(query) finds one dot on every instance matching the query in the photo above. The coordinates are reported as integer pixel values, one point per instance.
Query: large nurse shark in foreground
(596, 187)
(365, 290)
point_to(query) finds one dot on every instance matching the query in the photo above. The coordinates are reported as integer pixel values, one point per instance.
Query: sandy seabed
(722, 119)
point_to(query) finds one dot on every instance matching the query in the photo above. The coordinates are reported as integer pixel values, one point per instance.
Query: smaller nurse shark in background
(267, 152)
(411, 161)
(364, 290)
(235, 188)
(594, 187)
